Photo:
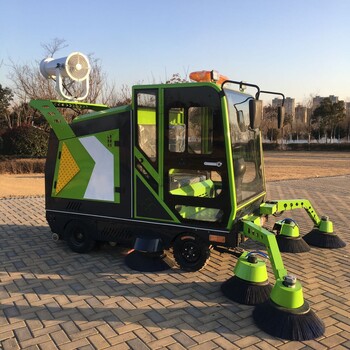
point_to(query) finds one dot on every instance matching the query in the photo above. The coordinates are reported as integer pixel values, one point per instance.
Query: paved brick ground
(52, 298)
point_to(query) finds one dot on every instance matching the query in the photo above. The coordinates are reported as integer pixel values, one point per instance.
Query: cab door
(195, 167)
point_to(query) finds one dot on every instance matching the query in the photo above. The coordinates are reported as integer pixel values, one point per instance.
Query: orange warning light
(208, 76)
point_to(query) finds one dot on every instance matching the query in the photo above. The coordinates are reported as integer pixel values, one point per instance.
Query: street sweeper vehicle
(180, 168)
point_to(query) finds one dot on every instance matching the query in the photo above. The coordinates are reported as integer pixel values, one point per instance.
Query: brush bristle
(291, 324)
(244, 292)
(292, 244)
(148, 262)
(323, 240)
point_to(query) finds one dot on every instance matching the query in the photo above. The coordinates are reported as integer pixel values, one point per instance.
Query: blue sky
(298, 47)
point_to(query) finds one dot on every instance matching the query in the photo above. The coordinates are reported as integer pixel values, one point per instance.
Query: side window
(146, 119)
(191, 130)
(200, 130)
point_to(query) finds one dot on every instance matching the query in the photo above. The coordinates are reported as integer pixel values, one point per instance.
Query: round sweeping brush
(292, 244)
(293, 324)
(286, 315)
(148, 256)
(245, 292)
(323, 236)
(250, 284)
(148, 262)
(320, 239)
(288, 237)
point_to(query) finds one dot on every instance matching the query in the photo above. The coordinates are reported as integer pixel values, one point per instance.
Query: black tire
(78, 237)
(190, 252)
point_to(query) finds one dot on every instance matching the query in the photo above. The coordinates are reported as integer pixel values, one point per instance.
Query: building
(347, 109)
(301, 114)
(289, 105)
(316, 101)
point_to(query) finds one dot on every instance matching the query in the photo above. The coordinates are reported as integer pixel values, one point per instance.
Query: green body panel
(101, 113)
(54, 118)
(288, 297)
(251, 272)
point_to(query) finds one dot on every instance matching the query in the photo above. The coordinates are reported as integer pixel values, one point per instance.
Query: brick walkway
(52, 298)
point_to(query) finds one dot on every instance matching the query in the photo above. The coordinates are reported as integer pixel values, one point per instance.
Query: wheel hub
(190, 252)
(79, 236)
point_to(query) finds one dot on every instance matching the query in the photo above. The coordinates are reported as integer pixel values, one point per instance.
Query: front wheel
(78, 237)
(190, 252)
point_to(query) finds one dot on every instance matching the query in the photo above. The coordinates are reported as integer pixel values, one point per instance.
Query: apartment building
(289, 105)
(301, 114)
(316, 101)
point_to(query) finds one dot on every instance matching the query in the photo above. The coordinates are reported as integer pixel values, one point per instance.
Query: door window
(191, 130)
(146, 119)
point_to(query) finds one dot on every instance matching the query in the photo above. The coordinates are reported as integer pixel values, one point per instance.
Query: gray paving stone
(54, 298)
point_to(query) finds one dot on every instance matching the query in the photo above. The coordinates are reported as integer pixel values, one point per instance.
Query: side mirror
(280, 116)
(255, 113)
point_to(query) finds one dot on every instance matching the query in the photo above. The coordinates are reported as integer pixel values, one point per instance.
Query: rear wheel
(78, 237)
(190, 252)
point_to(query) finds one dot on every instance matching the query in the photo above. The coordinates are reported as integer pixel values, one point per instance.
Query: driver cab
(196, 158)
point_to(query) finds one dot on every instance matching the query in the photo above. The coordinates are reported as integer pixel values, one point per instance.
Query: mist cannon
(74, 67)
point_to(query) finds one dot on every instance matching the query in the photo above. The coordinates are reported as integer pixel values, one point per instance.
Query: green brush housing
(250, 268)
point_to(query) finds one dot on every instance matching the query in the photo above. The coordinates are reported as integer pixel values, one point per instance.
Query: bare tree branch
(54, 46)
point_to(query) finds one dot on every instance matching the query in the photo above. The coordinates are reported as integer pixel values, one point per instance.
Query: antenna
(75, 66)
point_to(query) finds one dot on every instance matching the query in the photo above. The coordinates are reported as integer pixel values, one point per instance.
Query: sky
(298, 47)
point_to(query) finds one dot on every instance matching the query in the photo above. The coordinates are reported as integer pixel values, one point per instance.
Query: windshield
(245, 144)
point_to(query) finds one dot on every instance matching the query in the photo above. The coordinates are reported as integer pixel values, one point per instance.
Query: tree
(269, 123)
(175, 79)
(54, 46)
(345, 125)
(21, 114)
(328, 116)
(300, 130)
(6, 96)
(287, 125)
(25, 141)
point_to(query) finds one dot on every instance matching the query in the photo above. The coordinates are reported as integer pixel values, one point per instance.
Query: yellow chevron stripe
(67, 170)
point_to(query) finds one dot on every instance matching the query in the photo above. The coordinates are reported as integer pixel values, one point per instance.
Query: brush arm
(261, 235)
(275, 206)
